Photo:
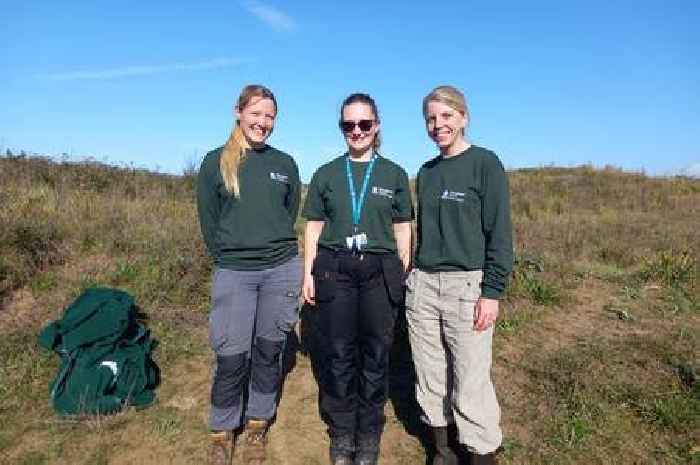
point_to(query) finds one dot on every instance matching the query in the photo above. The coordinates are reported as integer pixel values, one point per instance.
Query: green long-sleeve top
(256, 230)
(464, 217)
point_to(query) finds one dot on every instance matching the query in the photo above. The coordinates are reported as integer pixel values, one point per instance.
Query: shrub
(671, 268)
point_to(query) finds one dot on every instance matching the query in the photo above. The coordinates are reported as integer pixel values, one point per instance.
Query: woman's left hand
(485, 313)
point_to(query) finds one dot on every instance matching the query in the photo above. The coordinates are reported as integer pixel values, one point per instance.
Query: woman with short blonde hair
(463, 259)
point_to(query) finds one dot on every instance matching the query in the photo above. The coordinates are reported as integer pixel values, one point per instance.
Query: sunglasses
(364, 125)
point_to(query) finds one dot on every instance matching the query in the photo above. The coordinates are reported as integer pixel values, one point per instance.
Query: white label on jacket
(388, 193)
(279, 177)
(453, 196)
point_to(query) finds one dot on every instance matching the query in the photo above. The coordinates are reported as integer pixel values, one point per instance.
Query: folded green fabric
(105, 354)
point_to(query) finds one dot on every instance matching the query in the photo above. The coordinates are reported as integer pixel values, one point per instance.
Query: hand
(485, 313)
(308, 291)
(406, 263)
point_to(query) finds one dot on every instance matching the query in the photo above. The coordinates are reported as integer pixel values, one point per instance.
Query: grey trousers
(452, 360)
(252, 314)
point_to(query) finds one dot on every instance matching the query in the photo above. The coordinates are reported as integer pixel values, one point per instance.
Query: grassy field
(596, 351)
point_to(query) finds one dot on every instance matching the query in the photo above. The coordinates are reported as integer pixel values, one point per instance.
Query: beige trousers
(452, 360)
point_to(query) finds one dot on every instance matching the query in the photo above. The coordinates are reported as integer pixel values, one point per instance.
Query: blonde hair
(450, 96)
(234, 151)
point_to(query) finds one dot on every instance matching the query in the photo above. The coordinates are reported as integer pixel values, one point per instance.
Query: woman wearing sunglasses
(357, 247)
(248, 196)
(463, 259)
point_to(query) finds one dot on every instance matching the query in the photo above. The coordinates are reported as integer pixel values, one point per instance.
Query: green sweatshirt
(255, 231)
(464, 217)
(388, 201)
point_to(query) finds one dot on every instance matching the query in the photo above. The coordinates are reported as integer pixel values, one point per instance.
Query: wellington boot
(367, 449)
(444, 449)
(255, 442)
(220, 447)
(342, 450)
(341, 460)
(483, 459)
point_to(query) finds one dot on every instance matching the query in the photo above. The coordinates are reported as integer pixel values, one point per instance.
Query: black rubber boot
(367, 449)
(444, 452)
(342, 450)
(483, 459)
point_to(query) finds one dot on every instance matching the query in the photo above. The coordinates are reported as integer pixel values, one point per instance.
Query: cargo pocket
(289, 310)
(324, 273)
(471, 291)
(393, 279)
(324, 286)
(289, 295)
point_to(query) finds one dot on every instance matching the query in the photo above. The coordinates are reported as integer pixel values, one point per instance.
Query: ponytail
(232, 156)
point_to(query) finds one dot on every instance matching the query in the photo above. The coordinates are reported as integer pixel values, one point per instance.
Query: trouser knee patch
(229, 380)
(266, 365)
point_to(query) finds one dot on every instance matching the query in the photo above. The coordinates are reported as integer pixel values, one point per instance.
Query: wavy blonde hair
(450, 96)
(234, 151)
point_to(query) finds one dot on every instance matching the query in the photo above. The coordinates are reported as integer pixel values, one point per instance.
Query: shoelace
(256, 437)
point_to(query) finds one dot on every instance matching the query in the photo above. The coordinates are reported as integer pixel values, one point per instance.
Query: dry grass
(595, 358)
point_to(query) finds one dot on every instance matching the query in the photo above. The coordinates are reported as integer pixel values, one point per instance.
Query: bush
(675, 269)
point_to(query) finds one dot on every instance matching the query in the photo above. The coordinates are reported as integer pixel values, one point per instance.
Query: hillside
(596, 352)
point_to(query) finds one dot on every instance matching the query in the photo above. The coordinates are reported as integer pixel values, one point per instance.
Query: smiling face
(445, 125)
(359, 141)
(257, 120)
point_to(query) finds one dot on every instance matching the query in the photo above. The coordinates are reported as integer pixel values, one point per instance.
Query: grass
(600, 397)
(672, 268)
(595, 353)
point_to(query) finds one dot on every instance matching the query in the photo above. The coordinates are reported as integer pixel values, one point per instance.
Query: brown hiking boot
(220, 447)
(255, 441)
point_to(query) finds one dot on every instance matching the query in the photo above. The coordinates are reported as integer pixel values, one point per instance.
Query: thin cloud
(147, 70)
(273, 17)
(692, 171)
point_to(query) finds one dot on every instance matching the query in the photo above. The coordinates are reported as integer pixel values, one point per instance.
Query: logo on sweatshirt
(388, 193)
(453, 196)
(279, 177)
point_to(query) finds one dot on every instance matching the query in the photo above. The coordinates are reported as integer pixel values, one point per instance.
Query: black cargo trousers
(358, 297)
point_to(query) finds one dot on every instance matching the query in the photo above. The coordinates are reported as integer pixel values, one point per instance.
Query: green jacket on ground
(105, 355)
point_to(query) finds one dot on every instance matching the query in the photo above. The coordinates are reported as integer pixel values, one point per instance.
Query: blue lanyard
(358, 203)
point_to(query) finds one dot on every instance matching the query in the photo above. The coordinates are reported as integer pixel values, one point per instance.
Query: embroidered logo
(388, 193)
(279, 177)
(453, 196)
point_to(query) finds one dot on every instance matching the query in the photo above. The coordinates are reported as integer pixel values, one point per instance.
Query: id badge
(356, 241)
(360, 240)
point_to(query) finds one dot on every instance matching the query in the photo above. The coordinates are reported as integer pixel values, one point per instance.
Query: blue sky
(152, 84)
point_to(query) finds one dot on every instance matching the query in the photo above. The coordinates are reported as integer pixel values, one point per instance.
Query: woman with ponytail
(357, 248)
(248, 197)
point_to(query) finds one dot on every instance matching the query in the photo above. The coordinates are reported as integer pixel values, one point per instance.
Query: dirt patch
(20, 312)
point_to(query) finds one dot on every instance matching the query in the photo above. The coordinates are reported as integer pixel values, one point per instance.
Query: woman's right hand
(308, 290)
